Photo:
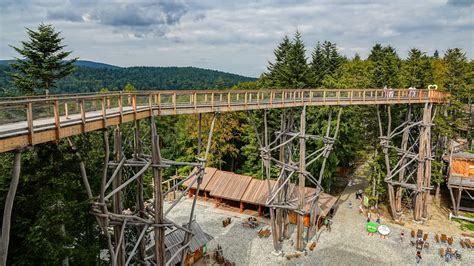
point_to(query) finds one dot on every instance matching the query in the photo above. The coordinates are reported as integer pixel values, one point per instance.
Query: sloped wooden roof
(257, 192)
(228, 185)
(199, 239)
(208, 174)
(325, 201)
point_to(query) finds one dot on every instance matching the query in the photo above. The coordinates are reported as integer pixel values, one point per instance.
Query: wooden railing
(38, 119)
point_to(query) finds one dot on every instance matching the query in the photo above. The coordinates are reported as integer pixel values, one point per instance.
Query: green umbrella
(371, 227)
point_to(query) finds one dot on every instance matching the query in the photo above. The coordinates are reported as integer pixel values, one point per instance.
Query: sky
(236, 36)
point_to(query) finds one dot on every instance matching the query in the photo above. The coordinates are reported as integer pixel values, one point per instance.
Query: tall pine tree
(325, 61)
(297, 64)
(43, 61)
(386, 66)
(278, 75)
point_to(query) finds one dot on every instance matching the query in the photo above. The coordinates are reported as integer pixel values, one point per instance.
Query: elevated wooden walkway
(26, 121)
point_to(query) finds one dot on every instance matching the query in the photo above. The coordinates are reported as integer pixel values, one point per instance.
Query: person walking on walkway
(402, 236)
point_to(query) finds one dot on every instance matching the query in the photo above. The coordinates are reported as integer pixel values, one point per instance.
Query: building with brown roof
(247, 193)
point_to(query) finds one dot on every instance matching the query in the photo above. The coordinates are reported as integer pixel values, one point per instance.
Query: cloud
(461, 3)
(236, 36)
(120, 13)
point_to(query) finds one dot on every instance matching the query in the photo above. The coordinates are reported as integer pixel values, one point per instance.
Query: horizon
(211, 35)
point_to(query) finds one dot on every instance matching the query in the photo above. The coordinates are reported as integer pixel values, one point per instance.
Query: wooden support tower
(413, 166)
(288, 194)
(149, 218)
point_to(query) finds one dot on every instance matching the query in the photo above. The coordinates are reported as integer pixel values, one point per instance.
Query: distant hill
(92, 76)
(84, 63)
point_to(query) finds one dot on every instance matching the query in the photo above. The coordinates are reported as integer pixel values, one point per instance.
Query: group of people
(388, 92)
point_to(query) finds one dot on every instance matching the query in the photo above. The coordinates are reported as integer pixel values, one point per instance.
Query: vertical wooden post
(199, 135)
(116, 199)
(83, 115)
(427, 159)
(66, 110)
(458, 200)
(453, 201)
(120, 107)
(385, 149)
(212, 101)
(301, 182)
(159, 103)
(280, 197)
(138, 150)
(195, 101)
(29, 121)
(401, 174)
(134, 106)
(104, 112)
(158, 196)
(7, 211)
(174, 102)
(57, 122)
(267, 161)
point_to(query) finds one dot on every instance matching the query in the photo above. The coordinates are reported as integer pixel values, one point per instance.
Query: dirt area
(438, 221)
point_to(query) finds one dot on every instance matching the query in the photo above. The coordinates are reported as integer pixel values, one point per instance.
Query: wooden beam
(301, 182)
(158, 196)
(116, 199)
(7, 211)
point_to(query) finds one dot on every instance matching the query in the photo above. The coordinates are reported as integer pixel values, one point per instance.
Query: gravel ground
(346, 244)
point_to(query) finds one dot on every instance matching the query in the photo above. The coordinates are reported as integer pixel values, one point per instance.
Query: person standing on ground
(418, 256)
(378, 220)
(402, 236)
(328, 226)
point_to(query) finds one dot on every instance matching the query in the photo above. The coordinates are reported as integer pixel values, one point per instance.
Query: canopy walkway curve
(27, 121)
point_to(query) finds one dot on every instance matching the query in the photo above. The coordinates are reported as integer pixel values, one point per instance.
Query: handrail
(27, 121)
(97, 96)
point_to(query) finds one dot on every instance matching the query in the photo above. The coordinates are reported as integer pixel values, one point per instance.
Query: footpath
(349, 244)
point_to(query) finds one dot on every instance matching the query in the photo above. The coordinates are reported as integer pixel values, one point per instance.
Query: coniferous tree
(325, 61)
(417, 69)
(278, 75)
(297, 64)
(456, 82)
(386, 66)
(43, 61)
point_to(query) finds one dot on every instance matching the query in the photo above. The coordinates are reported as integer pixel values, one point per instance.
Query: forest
(92, 77)
(51, 221)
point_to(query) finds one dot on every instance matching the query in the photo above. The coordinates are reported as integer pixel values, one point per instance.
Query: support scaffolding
(288, 193)
(139, 232)
(413, 165)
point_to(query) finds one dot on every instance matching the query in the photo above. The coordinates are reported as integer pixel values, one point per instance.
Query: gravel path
(347, 243)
